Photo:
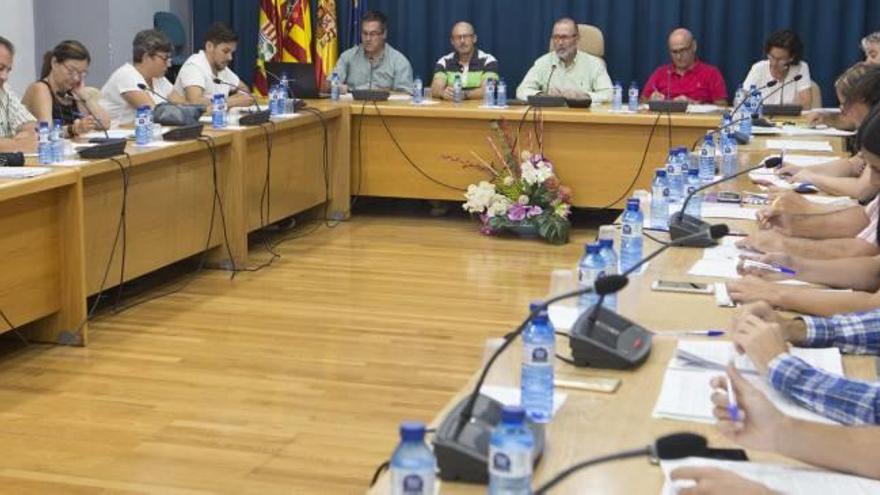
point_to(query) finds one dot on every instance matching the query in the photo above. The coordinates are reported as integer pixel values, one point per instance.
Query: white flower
(523, 199)
(525, 155)
(479, 197)
(529, 173)
(508, 180)
(499, 206)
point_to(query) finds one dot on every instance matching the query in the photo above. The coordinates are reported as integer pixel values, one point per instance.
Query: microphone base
(184, 133)
(614, 342)
(253, 118)
(681, 225)
(465, 457)
(112, 147)
(547, 101)
(370, 95)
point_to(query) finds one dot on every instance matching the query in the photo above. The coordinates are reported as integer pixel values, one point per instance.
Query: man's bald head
(463, 38)
(462, 27)
(681, 35)
(682, 49)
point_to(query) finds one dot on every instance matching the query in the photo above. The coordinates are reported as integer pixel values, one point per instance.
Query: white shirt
(123, 80)
(197, 71)
(760, 76)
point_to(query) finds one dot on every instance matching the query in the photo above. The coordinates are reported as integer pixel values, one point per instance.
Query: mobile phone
(729, 197)
(688, 287)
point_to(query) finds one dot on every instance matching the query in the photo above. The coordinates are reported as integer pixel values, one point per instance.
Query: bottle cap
(412, 431)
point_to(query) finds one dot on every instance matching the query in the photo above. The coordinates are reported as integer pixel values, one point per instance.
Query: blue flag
(357, 10)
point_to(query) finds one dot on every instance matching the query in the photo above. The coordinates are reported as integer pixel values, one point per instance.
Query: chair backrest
(592, 40)
(170, 25)
(815, 95)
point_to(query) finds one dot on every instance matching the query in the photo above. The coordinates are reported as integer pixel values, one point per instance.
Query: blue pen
(732, 406)
(770, 267)
(697, 333)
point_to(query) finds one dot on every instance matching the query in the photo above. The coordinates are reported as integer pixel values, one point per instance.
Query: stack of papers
(780, 479)
(697, 108)
(112, 134)
(685, 394)
(790, 130)
(808, 160)
(791, 144)
(22, 172)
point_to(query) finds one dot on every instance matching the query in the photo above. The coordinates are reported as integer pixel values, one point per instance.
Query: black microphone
(674, 446)
(682, 225)
(781, 86)
(186, 119)
(144, 87)
(740, 137)
(85, 105)
(372, 67)
(749, 95)
(765, 123)
(549, 77)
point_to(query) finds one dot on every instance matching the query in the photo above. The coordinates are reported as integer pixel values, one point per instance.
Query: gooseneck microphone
(744, 100)
(682, 226)
(546, 88)
(674, 446)
(144, 87)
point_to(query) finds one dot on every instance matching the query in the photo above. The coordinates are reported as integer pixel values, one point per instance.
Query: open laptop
(301, 77)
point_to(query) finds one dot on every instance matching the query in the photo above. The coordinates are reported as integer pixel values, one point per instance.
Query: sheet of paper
(792, 144)
(698, 108)
(808, 160)
(772, 180)
(779, 478)
(727, 210)
(22, 172)
(830, 200)
(715, 354)
(510, 396)
(719, 268)
(563, 316)
(114, 133)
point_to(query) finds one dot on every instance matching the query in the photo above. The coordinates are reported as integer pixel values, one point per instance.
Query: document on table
(698, 108)
(510, 396)
(779, 478)
(769, 178)
(686, 391)
(791, 144)
(22, 172)
(790, 130)
(112, 134)
(728, 210)
(808, 160)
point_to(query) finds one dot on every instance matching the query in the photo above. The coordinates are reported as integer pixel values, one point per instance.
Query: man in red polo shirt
(686, 78)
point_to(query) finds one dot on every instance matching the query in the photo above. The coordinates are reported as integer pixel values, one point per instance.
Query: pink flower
(517, 212)
(534, 211)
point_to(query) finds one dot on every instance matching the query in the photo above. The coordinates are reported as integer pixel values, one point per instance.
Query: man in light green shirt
(577, 75)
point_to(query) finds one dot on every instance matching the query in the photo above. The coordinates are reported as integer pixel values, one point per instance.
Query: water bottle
(695, 205)
(606, 251)
(633, 97)
(501, 94)
(675, 176)
(707, 159)
(684, 156)
(757, 104)
(617, 97)
(457, 93)
(738, 98)
(284, 87)
(631, 235)
(590, 267)
(539, 352)
(44, 148)
(334, 87)
(418, 90)
(660, 200)
(489, 94)
(412, 464)
(510, 454)
(729, 164)
(745, 115)
(143, 128)
(57, 141)
(218, 112)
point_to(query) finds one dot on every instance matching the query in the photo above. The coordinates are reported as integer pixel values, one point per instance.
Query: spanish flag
(285, 36)
(326, 40)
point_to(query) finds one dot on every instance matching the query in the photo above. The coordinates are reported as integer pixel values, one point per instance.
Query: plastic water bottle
(44, 146)
(757, 105)
(457, 93)
(501, 94)
(631, 236)
(418, 90)
(729, 164)
(510, 454)
(675, 176)
(738, 98)
(684, 156)
(660, 200)
(633, 97)
(489, 94)
(695, 206)
(707, 159)
(334, 87)
(590, 267)
(412, 464)
(55, 137)
(143, 132)
(283, 88)
(606, 251)
(218, 114)
(617, 97)
(745, 115)
(536, 380)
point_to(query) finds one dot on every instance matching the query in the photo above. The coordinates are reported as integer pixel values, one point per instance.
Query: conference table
(591, 424)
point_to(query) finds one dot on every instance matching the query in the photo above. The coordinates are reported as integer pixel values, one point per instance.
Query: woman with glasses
(61, 93)
(784, 50)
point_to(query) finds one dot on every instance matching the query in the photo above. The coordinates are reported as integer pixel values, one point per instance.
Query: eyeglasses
(563, 37)
(681, 51)
(165, 58)
(778, 61)
(371, 34)
(462, 37)
(79, 74)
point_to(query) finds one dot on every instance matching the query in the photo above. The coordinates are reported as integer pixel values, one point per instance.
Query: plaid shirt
(842, 399)
(12, 113)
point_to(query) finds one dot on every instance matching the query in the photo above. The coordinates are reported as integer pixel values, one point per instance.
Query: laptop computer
(301, 77)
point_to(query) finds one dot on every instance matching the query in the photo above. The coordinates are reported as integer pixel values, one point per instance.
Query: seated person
(195, 81)
(121, 96)
(473, 66)
(784, 50)
(761, 426)
(686, 78)
(567, 71)
(373, 64)
(17, 125)
(871, 48)
(62, 94)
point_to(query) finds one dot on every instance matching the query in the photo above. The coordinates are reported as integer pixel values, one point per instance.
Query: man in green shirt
(473, 66)
(567, 71)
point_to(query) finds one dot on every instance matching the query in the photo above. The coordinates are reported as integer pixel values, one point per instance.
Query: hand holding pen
(744, 413)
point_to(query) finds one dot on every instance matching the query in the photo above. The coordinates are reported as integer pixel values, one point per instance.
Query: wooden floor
(288, 380)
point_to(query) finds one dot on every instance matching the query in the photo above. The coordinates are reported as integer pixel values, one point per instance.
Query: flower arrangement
(522, 192)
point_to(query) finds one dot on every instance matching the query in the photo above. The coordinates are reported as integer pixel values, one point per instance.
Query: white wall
(17, 25)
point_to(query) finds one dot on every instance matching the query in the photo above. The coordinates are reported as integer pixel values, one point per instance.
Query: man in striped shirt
(473, 66)
(17, 125)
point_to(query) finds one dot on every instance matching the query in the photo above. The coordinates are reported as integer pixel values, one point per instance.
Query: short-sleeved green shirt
(481, 67)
